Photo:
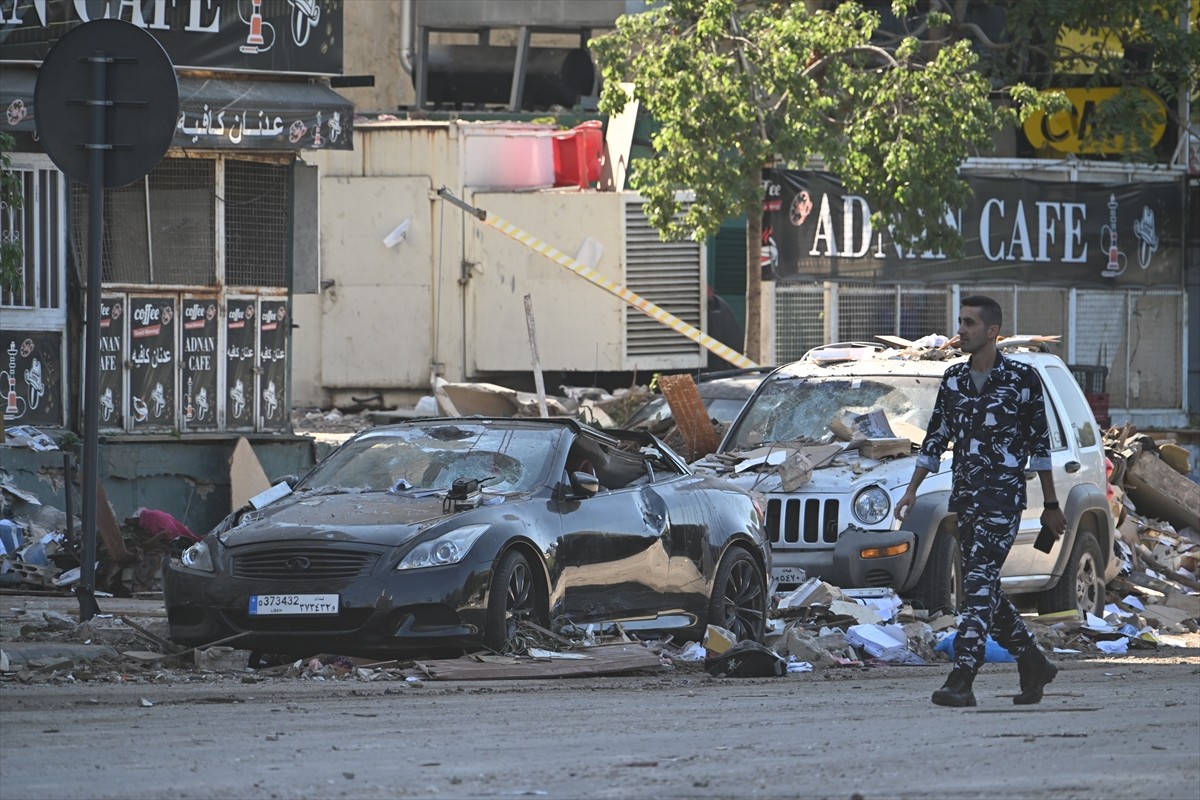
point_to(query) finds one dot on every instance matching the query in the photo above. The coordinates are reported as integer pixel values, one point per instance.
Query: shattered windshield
(434, 456)
(801, 409)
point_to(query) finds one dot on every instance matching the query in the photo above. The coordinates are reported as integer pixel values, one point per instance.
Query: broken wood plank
(109, 529)
(691, 417)
(601, 660)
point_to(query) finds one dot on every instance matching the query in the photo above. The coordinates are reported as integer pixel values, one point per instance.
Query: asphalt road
(1122, 727)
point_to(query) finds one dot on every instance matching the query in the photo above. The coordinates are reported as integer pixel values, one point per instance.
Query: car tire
(739, 596)
(939, 589)
(513, 597)
(1081, 587)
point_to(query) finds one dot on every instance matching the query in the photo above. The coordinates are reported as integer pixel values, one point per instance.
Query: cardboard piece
(885, 448)
(109, 529)
(246, 475)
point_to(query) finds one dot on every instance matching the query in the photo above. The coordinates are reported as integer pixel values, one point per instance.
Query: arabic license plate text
(293, 604)
(788, 575)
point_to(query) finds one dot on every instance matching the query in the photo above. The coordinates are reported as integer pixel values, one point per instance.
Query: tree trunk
(754, 324)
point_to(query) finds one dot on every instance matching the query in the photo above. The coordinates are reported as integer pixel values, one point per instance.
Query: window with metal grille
(37, 227)
(157, 231)
(256, 223)
(1109, 329)
(162, 230)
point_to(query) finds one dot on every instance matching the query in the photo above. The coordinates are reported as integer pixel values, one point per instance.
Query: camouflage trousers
(986, 537)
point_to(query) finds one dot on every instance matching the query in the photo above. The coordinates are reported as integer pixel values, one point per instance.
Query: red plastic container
(577, 155)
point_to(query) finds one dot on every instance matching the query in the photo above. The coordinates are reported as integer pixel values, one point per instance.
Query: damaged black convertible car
(449, 533)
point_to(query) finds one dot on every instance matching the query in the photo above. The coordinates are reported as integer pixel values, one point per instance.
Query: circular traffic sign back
(138, 96)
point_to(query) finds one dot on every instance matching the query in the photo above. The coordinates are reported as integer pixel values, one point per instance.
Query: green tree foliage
(736, 87)
(11, 199)
(893, 110)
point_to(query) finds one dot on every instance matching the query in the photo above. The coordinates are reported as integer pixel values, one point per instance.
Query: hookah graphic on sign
(16, 406)
(1108, 234)
(305, 14)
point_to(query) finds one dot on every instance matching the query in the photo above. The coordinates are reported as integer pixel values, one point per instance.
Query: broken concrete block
(717, 640)
(1168, 619)
(221, 659)
(795, 471)
(1188, 603)
(803, 646)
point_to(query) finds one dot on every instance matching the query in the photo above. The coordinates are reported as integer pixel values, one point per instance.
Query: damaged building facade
(200, 257)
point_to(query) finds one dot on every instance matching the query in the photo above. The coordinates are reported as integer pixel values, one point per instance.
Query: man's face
(973, 333)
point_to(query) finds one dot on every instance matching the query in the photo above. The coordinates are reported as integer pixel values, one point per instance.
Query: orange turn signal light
(884, 552)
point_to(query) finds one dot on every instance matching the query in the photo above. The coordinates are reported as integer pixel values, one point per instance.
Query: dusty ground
(1111, 727)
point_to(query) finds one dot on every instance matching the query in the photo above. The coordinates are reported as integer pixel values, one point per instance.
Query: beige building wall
(378, 47)
(449, 297)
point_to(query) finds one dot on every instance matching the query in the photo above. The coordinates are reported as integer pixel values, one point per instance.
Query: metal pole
(91, 375)
(537, 362)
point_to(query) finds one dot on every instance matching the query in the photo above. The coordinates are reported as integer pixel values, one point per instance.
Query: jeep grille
(802, 521)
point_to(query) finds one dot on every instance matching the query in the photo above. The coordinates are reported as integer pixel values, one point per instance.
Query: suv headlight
(448, 549)
(871, 505)
(198, 556)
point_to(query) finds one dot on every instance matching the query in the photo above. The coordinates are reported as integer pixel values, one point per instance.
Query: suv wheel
(939, 588)
(1081, 587)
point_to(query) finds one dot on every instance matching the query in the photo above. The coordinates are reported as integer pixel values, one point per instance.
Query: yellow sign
(1071, 131)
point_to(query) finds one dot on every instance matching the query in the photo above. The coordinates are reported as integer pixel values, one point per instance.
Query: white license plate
(788, 575)
(262, 605)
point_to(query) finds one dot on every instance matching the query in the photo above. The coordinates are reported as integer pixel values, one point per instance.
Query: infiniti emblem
(297, 563)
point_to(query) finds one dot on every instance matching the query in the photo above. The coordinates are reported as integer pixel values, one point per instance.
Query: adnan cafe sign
(1018, 230)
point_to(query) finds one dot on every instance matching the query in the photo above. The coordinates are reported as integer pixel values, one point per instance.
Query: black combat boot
(957, 689)
(1036, 671)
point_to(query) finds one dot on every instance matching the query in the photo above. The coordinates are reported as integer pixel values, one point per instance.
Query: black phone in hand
(1045, 540)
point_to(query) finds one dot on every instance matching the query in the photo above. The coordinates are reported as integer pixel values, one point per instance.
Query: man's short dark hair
(989, 310)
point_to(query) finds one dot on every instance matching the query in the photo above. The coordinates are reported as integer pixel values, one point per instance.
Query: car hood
(375, 517)
(844, 473)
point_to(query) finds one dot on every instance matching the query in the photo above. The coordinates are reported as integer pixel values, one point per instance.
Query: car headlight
(198, 556)
(872, 505)
(448, 549)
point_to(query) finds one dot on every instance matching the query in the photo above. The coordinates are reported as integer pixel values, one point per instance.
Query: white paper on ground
(1113, 647)
(1133, 601)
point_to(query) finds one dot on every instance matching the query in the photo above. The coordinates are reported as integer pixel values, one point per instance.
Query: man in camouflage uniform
(992, 409)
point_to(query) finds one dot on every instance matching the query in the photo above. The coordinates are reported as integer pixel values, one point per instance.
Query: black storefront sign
(152, 358)
(216, 114)
(31, 377)
(241, 333)
(260, 115)
(199, 359)
(303, 37)
(1014, 230)
(112, 361)
(273, 328)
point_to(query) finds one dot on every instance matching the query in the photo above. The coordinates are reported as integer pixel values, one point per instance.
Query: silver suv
(838, 524)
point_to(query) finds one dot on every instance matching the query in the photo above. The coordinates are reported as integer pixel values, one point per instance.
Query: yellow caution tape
(637, 301)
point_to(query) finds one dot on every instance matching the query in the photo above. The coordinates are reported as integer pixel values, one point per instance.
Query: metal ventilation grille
(667, 274)
(304, 564)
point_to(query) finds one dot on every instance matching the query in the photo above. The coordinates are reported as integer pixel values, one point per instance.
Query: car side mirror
(584, 484)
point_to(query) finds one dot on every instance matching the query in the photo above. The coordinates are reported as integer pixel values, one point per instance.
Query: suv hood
(844, 473)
